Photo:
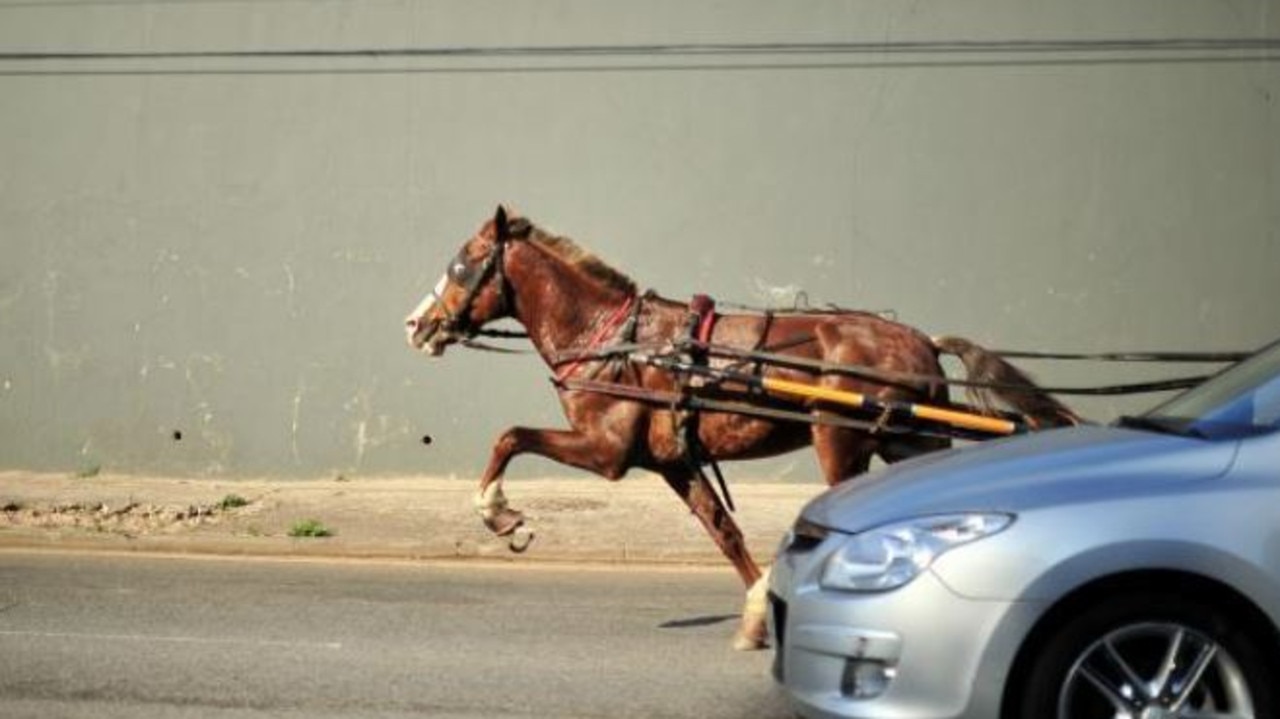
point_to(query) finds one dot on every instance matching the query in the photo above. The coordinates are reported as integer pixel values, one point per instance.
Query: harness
(702, 318)
(684, 403)
(628, 310)
(699, 326)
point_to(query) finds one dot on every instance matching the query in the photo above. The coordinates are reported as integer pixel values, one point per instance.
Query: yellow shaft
(965, 420)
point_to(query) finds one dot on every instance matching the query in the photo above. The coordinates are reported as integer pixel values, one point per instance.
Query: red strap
(607, 327)
(705, 308)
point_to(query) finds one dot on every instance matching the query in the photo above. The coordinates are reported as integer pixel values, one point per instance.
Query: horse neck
(559, 306)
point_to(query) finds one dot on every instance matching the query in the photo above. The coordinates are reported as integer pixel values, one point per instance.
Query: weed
(232, 501)
(309, 528)
(91, 470)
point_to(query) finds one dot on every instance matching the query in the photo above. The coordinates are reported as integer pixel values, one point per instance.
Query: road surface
(102, 635)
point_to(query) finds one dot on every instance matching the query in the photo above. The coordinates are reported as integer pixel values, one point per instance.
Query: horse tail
(1005, 382)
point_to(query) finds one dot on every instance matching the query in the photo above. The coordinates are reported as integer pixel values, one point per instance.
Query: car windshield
(1244, 399)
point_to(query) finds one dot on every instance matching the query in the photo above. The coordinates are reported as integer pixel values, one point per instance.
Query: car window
(1266, 405)
(1244, 398)
(1256, 410)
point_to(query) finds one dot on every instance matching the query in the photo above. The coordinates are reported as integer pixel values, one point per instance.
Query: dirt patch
(131, 519)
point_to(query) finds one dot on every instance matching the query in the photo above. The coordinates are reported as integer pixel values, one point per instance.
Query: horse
(569, 301)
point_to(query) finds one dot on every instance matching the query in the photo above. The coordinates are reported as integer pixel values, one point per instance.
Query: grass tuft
(232, 501)
(309, 528)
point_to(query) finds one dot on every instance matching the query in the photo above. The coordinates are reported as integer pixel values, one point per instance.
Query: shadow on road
(698, 621)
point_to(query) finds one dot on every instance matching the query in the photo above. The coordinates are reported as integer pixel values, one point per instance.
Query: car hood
(1077, 464)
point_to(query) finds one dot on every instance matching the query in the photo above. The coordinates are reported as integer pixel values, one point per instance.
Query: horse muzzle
(427, 336)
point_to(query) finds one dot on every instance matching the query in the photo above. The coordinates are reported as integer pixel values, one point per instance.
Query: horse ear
(500, 223)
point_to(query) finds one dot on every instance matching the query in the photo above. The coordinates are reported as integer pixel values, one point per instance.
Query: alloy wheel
(1155, 671)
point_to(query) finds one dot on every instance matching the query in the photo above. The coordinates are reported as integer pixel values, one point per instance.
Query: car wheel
(1148, 656)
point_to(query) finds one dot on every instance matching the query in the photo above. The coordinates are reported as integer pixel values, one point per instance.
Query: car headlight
(890, 556)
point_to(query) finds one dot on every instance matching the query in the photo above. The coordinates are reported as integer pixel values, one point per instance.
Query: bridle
(472, 277)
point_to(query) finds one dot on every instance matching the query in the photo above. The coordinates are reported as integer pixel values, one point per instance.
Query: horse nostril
(412, 323)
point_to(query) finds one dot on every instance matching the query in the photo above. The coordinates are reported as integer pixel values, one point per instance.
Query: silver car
(1129, 572)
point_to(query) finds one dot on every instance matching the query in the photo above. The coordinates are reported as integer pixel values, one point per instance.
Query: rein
(470, 343)
(569, 361)
(904, 379)
(1205, 357)
(486, 347)
(505, 334)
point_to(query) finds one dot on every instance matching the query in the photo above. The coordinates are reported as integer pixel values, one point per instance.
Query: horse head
(473, 290)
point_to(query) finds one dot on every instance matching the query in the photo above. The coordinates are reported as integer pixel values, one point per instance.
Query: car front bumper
(919, 651)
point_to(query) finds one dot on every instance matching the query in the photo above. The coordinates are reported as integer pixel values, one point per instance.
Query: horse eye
(458, 270)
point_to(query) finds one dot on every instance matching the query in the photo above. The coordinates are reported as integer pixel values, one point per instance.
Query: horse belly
(724, 436)
(736, 436)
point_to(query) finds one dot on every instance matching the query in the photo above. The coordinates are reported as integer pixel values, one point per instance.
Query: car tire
(1112, 659)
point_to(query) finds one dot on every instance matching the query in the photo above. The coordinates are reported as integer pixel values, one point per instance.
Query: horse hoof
(504, 522)
(520, 540)
(752, 636)
(745, 643)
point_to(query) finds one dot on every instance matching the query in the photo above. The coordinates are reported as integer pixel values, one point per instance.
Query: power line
(645, 68)
(926, 47)
(647, 58)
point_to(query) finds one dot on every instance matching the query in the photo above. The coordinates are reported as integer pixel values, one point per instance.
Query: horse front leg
(576, 449)
(706, 505)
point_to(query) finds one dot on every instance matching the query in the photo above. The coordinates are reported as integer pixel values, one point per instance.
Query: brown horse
(567, 300)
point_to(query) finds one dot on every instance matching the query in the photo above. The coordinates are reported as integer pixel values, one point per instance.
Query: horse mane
(572, 254)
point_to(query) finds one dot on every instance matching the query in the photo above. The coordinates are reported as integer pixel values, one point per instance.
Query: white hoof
(491, 501)
(753, 636)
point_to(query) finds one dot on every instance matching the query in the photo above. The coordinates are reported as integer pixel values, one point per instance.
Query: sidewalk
(582, 520)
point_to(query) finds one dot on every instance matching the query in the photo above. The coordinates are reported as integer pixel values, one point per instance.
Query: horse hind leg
(843, 452)
(754, 632)
(706, 505)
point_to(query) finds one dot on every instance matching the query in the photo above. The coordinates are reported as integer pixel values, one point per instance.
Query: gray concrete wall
(224, 245)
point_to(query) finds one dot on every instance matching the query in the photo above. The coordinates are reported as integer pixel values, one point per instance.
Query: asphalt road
(97, 635)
